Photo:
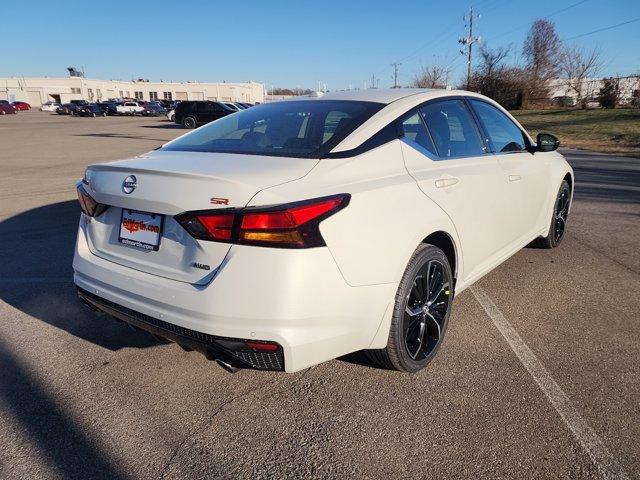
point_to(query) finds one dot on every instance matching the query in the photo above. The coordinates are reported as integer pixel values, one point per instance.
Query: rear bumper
(230, 350)
(295, 298)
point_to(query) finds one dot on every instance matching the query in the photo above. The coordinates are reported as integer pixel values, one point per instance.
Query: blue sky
(289, 43)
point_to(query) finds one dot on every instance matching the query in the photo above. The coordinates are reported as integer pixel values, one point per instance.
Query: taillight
(293, 225)
(87, 204)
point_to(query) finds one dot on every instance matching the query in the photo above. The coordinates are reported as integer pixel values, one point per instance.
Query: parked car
(91, 110)
(21, 105)
(190, 114)
(233, 106)
(591, 102)
(67, 109)
(154, 110)
(6, 108)
(109, 107)
(129, 108)
(79, 102)
(49, 106)
(168, 104)
(352, 221)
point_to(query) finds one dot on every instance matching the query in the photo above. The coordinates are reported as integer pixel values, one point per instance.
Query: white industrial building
(629, 88)
(38, 90)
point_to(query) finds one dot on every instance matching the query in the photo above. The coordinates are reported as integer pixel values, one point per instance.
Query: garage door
(33, 98)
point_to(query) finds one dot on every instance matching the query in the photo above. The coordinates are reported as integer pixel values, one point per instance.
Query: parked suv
(192, 114)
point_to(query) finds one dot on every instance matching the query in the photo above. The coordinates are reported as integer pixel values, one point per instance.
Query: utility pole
(373, 80)
(469, 41)
(395, 74)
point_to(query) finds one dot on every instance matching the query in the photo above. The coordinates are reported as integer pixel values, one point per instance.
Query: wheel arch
(444, 242)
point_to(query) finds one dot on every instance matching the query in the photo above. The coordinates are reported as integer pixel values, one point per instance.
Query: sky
(334, 44)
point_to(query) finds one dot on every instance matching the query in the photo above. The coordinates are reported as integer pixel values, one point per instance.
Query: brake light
(218, 226)
(87, 203)
(294, 225)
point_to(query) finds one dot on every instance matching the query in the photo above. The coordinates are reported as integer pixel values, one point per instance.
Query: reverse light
(87, 203)
(293, 225)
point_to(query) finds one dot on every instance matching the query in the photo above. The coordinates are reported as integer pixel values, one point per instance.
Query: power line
(603, 29)
(524, 25)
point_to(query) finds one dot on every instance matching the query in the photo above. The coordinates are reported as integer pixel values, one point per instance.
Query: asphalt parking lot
(539, 376)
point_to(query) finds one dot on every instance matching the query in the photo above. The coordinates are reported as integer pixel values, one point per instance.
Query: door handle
(446, 182)
(514, 178)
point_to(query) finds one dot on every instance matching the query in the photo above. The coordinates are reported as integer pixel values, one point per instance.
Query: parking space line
(582, 431)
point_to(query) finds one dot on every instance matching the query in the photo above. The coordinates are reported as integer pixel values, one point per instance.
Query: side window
(452, 128)
(503, 133)
(414, 129)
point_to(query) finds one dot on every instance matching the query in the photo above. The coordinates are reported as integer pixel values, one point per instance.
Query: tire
(189, 122)
(93, 115)
(417, 325)
(559, 218)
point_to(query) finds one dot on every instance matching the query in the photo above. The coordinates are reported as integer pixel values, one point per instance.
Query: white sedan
(295, 232)
(49, 107)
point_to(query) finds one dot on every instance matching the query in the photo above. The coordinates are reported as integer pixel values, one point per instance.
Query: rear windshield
(299, 128)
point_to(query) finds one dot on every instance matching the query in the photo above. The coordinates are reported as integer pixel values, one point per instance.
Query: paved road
(538, 377)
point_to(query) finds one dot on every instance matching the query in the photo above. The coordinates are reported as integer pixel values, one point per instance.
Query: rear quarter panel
(387, 218)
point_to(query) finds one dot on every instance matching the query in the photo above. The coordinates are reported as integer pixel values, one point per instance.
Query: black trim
(382, 137)
(230, 350)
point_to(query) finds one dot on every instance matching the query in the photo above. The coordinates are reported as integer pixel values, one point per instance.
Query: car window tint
(414, 129)
(300, 128)
(503, 133)
(452, 128)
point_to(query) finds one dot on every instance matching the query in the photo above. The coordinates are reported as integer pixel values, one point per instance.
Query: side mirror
(547, 142)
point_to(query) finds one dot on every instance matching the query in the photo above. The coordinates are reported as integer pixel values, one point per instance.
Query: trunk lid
(168, 183)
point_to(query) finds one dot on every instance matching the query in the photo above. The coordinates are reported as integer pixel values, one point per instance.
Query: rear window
(299, 128)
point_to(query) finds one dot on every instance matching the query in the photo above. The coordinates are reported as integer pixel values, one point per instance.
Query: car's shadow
(36, 277)
(167, 125)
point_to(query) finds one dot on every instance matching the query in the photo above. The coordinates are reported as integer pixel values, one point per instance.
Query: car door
(444, 152)
(524, 174)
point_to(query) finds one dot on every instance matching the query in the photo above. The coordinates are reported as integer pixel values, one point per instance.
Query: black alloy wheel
(559, 218)
(561, 213)
(421, 313)
(426, 311)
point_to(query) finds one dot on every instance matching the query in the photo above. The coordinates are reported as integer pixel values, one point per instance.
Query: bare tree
(542, 50)
(494, 79)
(491, 59)
(434, 76)
(577, 66)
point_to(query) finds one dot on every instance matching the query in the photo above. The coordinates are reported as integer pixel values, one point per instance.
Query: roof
(386, 95)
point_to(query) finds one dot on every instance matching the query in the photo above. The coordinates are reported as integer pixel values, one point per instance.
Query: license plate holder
(140, 229)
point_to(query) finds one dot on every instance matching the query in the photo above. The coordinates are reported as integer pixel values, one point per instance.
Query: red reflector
(290, 218)
(218, 226)
(267, 347)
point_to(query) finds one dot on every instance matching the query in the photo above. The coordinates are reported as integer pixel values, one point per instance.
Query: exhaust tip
(226, 366)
